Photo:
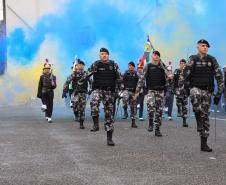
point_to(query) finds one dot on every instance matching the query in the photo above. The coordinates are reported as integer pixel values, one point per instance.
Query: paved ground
(33, 152)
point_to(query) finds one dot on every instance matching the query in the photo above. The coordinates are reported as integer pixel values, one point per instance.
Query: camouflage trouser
(201, 101)
(79, 105)
(155, 103)
(128, 98)
(107, 97)
(182, 103)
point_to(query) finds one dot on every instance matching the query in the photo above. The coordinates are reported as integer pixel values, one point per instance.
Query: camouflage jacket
(185, 76)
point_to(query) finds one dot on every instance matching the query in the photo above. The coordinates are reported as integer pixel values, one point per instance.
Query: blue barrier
(3, 47)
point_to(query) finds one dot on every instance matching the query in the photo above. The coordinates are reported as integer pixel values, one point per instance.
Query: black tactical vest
(156, 79)
(81, 88)
(130, 80)
(202, 75)
(105, 76)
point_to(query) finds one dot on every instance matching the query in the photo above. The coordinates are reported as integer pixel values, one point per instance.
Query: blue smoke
(79, 29)
(21, 48)
(84, 23)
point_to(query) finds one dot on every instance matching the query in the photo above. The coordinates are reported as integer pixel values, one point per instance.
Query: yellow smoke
(20, 83)
(178, 42)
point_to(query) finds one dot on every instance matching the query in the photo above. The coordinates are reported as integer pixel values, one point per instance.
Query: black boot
(76, 116)
(82, 125)
(157, 132)
(150, 126)
(133, 125)
(185, 123)
(199, 122)
(125, 113)
(178, 112)
(95, 124)
(110, 142)
(204, 146)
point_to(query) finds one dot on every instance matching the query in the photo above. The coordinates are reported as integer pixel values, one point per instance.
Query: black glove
(216, 100)
(64, 95)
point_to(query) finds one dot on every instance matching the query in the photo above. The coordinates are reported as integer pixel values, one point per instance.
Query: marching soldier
(155, 75)
(105, 74)
(47, 84)
(79, 94)
(181, 93)
(200, 73)
(130, 79)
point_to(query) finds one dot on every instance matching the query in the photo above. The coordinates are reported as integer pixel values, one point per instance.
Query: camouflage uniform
(79, 93)
(128, 98)
(70, 85)
(201, 101)
(155, 78)
(181, 94)
(103, 93)
(155, 104)
(79, 105)
(201, 95)
(130, 79)
(107, 97)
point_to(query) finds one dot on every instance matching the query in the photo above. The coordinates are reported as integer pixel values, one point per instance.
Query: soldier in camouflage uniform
(130, 79)
(155, 75)
(78, 97)
(71, 89)
(200, 73)
(105, 75)
(181, 93)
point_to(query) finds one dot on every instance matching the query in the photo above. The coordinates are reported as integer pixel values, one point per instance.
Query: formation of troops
(104, 82)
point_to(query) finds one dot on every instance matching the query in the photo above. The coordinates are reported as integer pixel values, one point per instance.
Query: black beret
(183, 61)
(104, 50)
(131, 63)
(156, 53)
(80, 62)
(203, 41)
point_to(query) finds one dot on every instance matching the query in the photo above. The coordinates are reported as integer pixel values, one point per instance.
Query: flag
(146, 55)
